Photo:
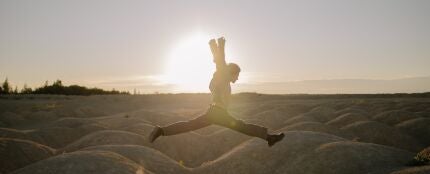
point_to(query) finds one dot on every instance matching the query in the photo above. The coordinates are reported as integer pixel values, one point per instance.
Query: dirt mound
(374, 132)
(84, 162)
(378, 107)
(139, 128)
(271, 118)
(41, 116)
(299, 118)
(10, 119)
(71, 122)
(414, 170)
(285, 110)
(55, 137)
(292, 109)
(88, 111)
(154, 117)
(254, 156)
(394, 117)
(58, 137)
(15, 153)
(257, 108)
(120, 122)
(346, 119)
(192, 149)
(151, 159)
(416, 107)
(349, 157)
(315, 127)
(20, 134)
(106, 137)
(352, 110)
(322, 114)
(423, 114)
(187, 112)
(308, 152)
(418, 128)
(108, 134)
(89, 128)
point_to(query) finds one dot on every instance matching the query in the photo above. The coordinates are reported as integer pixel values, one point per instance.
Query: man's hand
(218, 52)
(221, 44)
(214, 47)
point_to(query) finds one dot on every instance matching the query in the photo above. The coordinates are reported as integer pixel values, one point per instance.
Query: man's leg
(223, 118)
(186, 126)
(180, 127)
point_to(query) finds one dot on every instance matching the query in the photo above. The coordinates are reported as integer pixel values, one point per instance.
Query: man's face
(234, 77)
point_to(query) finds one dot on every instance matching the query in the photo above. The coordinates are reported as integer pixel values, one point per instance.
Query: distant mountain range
(340, 86)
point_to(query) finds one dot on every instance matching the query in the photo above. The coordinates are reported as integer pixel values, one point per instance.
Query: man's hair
(233, 68)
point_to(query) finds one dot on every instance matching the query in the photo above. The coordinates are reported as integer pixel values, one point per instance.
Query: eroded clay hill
(108, 134)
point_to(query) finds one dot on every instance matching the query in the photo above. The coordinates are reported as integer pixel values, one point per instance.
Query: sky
(161, 46)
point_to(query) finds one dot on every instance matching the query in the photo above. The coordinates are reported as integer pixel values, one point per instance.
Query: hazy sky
(132, 44)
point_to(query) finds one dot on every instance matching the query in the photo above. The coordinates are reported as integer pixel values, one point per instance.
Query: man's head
(234, 71)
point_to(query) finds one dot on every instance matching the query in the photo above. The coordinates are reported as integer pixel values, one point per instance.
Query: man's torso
(220, 88)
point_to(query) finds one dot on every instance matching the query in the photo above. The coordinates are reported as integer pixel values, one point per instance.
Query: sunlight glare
(190, 65)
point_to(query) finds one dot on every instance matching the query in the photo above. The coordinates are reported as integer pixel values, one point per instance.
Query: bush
(422, 158)
(57, 88)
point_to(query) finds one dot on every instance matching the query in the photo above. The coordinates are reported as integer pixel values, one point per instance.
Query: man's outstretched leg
(179, 127)
(256, 131)
(221, 117)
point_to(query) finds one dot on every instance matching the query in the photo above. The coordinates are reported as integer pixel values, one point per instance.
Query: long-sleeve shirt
(220, 87)
(220, 84)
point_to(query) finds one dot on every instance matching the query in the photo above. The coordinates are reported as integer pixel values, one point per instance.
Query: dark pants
(218, 116)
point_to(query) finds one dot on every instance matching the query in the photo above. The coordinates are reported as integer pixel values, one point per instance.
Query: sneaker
(273, 139)
(156, 132)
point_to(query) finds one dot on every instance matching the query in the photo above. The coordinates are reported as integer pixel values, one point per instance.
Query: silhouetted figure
(217, 112)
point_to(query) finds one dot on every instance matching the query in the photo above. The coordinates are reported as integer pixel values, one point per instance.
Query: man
(217, 113)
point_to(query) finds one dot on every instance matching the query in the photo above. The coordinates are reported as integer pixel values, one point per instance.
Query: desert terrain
(352, 134)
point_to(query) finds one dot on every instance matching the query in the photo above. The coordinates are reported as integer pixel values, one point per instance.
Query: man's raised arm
(218, 52)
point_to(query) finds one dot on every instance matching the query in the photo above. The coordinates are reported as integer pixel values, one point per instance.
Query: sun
(189, 67)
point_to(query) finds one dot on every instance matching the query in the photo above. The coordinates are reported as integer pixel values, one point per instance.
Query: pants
(218, 116)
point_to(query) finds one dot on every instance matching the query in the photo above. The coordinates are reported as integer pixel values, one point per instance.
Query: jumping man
(217, 112)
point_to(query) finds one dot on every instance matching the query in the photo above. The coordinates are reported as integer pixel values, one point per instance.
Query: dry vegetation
(108, 134)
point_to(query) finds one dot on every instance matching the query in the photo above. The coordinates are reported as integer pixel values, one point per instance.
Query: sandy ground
(108, 134)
